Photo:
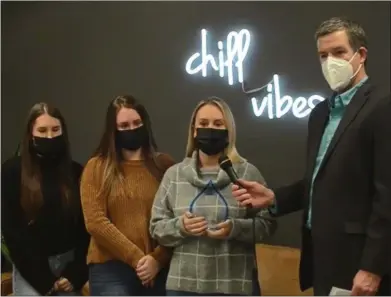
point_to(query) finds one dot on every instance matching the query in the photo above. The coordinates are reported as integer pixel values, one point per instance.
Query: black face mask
(211, 141)
(132, 139)
(49, 148)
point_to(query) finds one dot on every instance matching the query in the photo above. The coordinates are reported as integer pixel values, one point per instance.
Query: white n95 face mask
(338, 72)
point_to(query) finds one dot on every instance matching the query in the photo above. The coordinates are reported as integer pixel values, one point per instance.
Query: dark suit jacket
(351, 202)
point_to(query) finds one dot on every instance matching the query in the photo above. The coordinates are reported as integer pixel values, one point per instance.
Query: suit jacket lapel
(315, 132)
(353, 108)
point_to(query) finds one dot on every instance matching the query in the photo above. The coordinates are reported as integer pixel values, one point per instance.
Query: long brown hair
(31, 177)
(110, 156)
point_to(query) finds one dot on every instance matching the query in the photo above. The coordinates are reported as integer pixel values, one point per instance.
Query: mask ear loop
(351, 59)
(358, 69)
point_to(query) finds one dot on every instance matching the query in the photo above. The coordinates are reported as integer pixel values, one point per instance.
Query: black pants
(116, 278)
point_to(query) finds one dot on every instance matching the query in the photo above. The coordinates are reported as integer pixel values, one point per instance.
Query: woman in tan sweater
(117, 191)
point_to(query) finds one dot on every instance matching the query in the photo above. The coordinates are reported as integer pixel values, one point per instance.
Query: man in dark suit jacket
(346, 190)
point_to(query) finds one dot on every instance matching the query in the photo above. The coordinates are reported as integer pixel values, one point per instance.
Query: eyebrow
(43, 126)
(205, 119)
(334, 48)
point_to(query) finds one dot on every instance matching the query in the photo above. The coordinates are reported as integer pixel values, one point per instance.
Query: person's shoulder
(383, 104)
(376, 96)
(381, 113)
(76, 165)
(11, 171)
(12, 165)
(252, 172)
(77, 168)
(165, 160)
(94, 161)
(94, 165)
(320, 107)
(174, 171)
(250, 168)
(377, 106)
(319, 111)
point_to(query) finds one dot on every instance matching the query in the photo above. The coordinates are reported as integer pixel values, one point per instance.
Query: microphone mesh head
(225, 162)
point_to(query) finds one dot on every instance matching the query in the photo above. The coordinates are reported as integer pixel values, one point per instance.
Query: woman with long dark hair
(117, 190)
(41, 218)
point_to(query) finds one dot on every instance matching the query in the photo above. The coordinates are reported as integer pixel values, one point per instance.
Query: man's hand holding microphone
(251, 193)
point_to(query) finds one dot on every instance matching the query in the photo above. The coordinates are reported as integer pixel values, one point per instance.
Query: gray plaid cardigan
(202, 264)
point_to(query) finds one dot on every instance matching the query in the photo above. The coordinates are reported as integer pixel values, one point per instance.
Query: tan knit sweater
(119, 224)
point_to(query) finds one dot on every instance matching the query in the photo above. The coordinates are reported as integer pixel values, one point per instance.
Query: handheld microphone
(226, 164)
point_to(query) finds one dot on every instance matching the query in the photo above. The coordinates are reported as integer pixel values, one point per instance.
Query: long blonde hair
(229, 120)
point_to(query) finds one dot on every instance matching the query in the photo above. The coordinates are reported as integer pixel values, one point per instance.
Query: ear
(194, 132)
(363, 52)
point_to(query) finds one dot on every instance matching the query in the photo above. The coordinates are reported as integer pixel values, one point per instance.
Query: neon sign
(237, 45)
(231, 57)
(278, 106)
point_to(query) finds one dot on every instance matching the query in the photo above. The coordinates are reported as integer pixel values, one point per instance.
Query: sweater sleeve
(265, 225)
(164, 226)
(160, 253)
(77, 271)
(166, 161)
(97, 222)
(26, 254)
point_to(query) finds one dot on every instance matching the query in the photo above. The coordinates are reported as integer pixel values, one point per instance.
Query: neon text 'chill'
(277, 105)
(230, 59)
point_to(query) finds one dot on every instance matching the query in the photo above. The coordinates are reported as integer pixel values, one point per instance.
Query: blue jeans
(115, 278)
(57, 264)
(184, 293)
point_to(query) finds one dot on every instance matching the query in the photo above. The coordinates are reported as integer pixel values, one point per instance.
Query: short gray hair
(354, 31)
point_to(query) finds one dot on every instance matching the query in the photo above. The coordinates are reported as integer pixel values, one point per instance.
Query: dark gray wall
(80, 55)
